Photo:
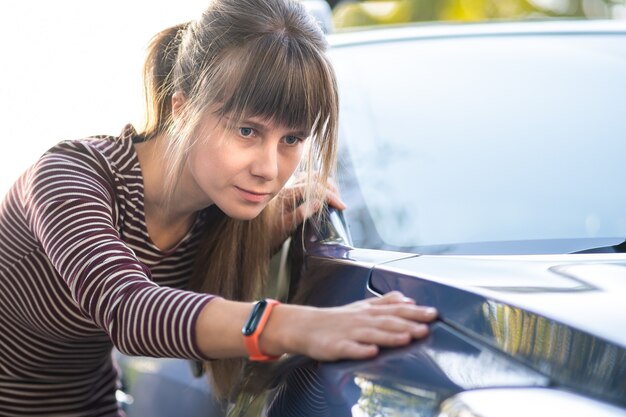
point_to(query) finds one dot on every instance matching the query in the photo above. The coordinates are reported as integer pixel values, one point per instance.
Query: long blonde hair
(246, 58)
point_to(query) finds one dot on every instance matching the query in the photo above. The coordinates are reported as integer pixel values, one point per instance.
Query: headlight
(525, 402)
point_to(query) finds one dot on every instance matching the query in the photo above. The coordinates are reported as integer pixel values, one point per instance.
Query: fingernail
(408, 300)
(419, 328)
(431, 311)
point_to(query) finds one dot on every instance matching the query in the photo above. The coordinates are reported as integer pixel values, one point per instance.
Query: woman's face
(241, 169)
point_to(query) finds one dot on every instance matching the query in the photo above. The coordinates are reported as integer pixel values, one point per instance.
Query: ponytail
(157, 73)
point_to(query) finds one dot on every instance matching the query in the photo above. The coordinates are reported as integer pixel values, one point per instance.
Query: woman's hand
(292, 210)
(353, 331)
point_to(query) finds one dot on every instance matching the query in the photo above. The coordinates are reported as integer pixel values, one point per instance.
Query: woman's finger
(399, 325)
(392, 297)
(335, 201)
(381, 337)
(303, 212)
(406, 311)
(293, 195)
(350, 349)
(291, 219)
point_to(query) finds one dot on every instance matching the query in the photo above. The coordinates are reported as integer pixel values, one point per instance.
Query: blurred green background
(352, 13)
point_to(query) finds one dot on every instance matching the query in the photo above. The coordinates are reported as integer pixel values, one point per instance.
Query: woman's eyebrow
(299, 133)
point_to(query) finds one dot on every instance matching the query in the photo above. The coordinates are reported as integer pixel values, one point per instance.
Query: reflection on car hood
(563, 315)
(582, 291)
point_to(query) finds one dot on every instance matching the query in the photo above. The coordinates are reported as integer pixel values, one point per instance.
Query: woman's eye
(246, 131)
(292, 140)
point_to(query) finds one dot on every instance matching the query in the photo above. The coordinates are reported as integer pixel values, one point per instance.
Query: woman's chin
(243, 213)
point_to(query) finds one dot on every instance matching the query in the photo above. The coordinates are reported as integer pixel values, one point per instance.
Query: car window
(481, 139)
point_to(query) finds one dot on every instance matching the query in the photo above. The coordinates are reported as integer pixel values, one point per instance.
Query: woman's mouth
(253, 196)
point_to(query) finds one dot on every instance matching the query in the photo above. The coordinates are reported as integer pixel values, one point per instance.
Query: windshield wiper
(619, 248)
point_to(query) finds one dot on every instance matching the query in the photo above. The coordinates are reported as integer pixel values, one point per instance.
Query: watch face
(255, 317)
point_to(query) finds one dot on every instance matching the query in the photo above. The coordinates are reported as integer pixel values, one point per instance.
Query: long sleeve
(72, 206)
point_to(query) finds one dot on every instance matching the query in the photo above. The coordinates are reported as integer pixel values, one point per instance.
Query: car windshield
(464, 140)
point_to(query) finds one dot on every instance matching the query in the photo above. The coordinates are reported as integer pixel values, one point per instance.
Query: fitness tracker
(254, 327)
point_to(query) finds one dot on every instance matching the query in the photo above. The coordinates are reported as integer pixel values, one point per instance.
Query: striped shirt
(79, 274)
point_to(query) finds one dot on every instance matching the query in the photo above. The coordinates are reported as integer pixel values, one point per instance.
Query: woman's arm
(353, 331)
(70, 204)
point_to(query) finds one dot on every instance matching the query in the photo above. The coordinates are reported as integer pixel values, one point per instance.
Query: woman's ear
(178, 100)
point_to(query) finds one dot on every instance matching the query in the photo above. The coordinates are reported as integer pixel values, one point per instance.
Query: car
(481, 165)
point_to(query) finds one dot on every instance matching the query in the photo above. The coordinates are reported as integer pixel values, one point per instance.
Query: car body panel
(582, 291)
(410, 381)
(486, 336)
(462, 30)
(538, 402)
(567, 323)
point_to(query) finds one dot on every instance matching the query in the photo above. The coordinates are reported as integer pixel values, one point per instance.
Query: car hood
(562, 315)
(583, 291)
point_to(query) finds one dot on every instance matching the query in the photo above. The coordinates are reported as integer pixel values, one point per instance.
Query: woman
(156, 243)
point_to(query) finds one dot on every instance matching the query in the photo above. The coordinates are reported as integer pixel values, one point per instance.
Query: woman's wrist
(221, 321)
(282, 333)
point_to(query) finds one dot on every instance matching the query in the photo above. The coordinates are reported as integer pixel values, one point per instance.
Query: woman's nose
(265, 163)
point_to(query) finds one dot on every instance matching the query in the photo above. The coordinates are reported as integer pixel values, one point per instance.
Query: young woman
(158, 242)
